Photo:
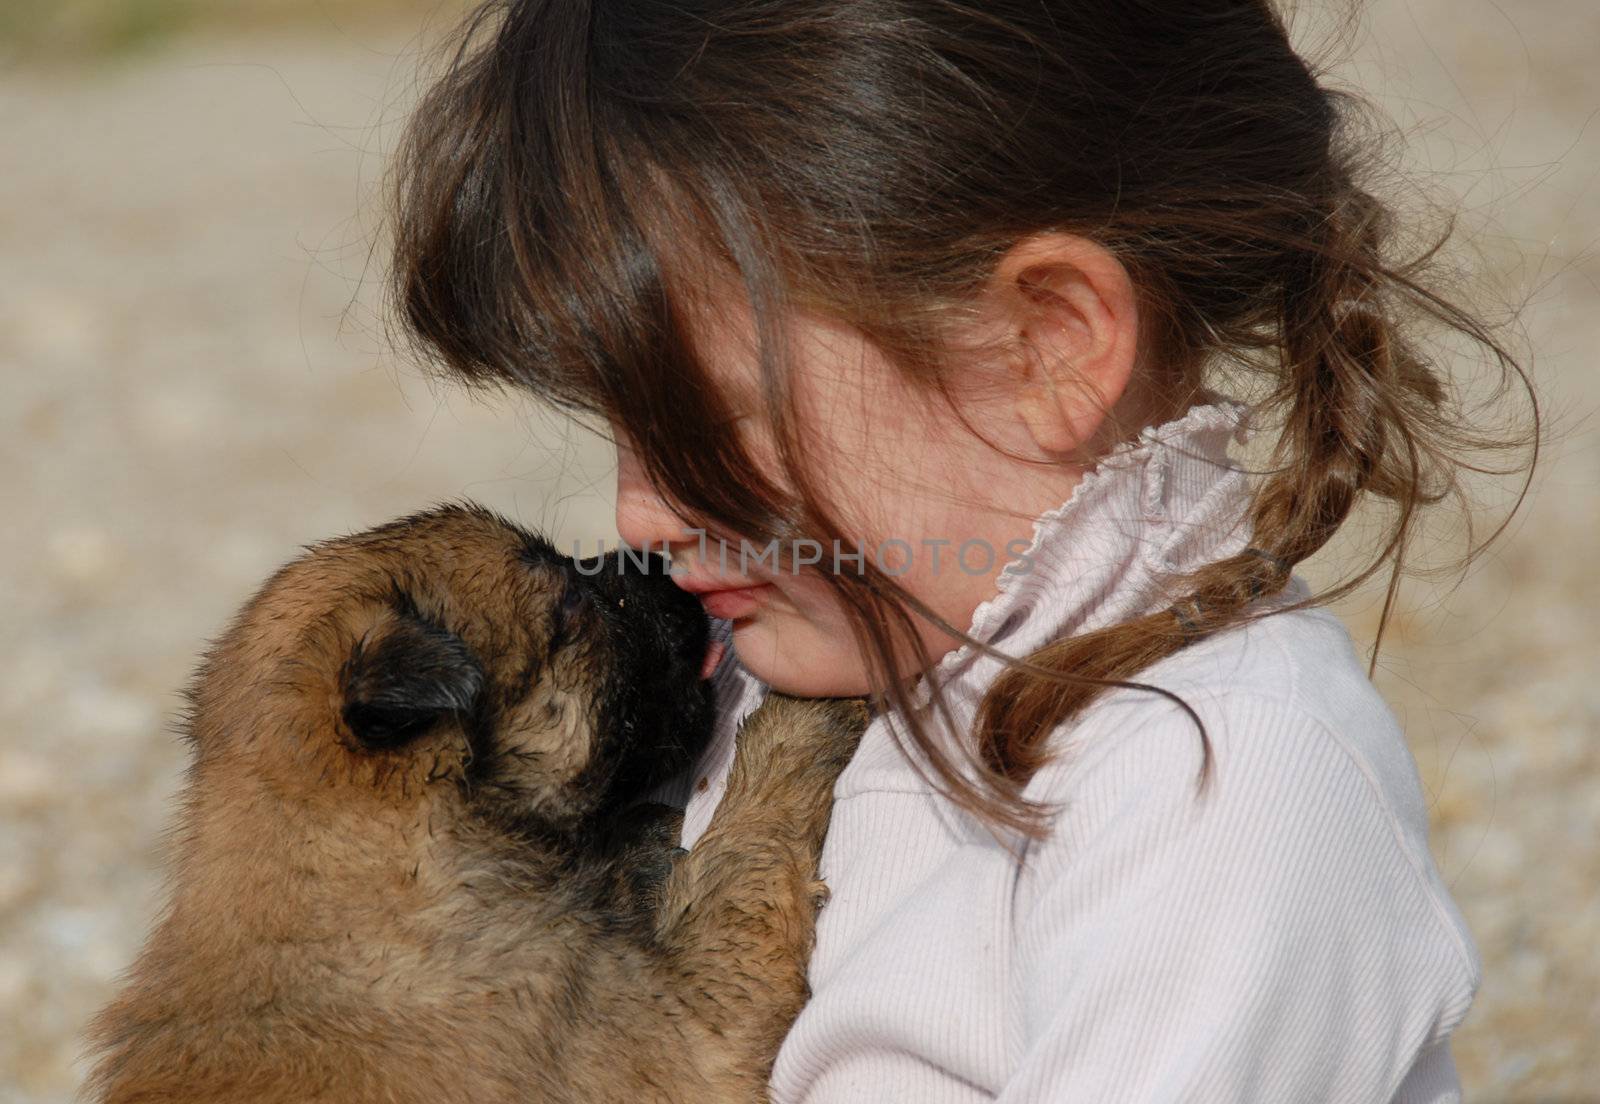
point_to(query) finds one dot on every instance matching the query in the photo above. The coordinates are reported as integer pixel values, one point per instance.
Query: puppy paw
(790, 752)
(802, 733)
(840, 723)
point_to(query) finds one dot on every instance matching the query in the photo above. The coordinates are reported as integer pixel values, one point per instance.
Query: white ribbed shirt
(1284, 937)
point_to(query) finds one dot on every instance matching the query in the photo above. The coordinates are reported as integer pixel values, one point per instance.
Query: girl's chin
(799, 660)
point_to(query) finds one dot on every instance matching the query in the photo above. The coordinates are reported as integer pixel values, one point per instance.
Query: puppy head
(451, 655)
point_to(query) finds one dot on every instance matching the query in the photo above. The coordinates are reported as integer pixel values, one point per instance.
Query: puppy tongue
(713, 657)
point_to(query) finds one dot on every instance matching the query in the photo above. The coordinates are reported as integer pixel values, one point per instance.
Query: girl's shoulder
(1301, 861)
(1294, 733)
(1261, 686)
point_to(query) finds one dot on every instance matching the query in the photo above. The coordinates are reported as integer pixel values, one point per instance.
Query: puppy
(405, 864)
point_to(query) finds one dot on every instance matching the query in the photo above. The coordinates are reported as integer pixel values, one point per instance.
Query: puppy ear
(404, 677)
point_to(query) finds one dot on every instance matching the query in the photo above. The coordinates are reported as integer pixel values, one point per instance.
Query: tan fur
(359, 925)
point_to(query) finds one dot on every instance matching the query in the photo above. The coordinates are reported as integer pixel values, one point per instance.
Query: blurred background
(194, 382)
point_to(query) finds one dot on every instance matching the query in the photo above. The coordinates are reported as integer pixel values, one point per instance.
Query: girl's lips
(734, 602)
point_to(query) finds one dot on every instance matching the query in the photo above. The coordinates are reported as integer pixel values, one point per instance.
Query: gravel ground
(194, 384)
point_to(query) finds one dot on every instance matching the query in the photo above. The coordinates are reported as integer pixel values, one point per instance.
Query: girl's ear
(1073, 314)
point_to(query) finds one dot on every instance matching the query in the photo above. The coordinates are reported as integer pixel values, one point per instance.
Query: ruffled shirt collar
(1154, 508)
(1157, 506)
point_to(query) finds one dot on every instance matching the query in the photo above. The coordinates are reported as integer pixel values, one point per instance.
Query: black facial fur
(656, 711)
(661, 711)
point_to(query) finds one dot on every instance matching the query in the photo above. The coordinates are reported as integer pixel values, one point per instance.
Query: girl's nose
(644, 518)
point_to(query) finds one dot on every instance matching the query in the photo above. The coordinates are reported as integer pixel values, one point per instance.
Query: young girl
(924, 329)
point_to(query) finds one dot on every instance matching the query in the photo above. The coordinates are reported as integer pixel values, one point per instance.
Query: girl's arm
(1278, 939)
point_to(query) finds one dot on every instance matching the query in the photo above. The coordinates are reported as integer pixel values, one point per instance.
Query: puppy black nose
(638, 586)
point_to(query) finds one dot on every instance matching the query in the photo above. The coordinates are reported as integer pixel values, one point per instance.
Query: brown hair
(872, 162)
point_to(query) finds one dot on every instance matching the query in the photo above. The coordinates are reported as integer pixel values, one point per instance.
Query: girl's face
(941, 502)
(929, 501)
